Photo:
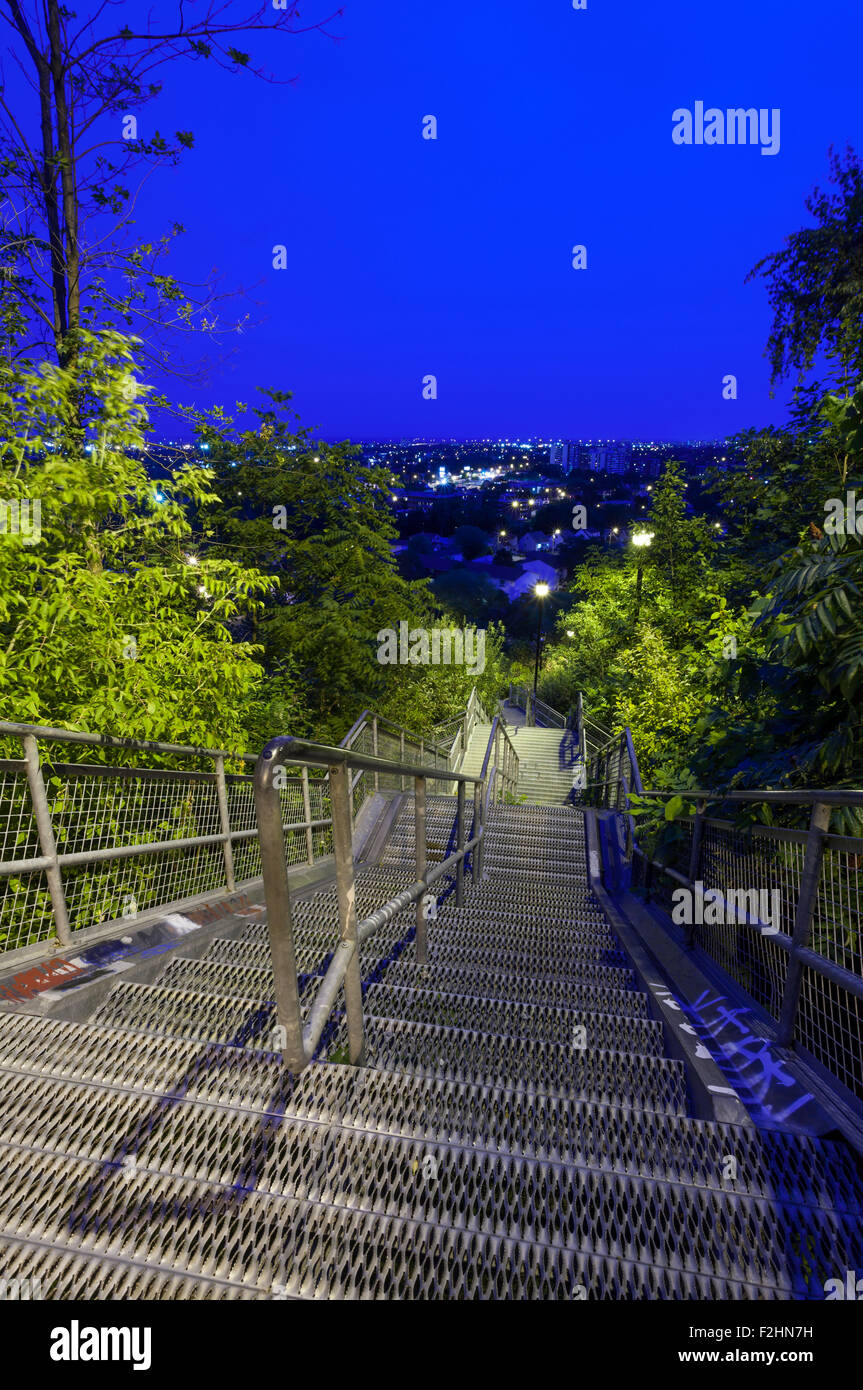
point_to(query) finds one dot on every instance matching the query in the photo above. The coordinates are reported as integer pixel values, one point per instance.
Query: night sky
(453, 257)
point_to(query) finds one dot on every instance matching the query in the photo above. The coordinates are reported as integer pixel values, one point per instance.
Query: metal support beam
(807, 898)
(459, 873)
(47, 843)
(695, 863)
(422, 865)
(274, 870)
(307, 814)
(340, 797)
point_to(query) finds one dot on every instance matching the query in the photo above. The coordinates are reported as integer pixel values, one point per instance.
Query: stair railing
(535, 709)
(457, 732)
(299, 1042)
(368, 734)
(778, 909)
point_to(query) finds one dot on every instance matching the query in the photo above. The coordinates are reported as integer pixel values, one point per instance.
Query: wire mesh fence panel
(120, 889)
(829, 1024)
(97, 809)
(838, 919)
(748, 891)
(26, 911)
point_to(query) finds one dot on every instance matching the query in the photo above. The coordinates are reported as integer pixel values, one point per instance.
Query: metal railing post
(274, 870)
(459, 873)
(695, 863)
(422, 866)
(807, 898)
(497, 758)
(47, 843)
(477, 798)
(375, 750)
(340, 799)
(225, 821)
(401, 759)
(307, 812)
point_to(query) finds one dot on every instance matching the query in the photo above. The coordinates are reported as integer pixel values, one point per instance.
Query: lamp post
(642, 540)
(541, 590)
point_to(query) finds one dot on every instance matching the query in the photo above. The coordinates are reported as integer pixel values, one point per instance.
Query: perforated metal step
(606, 1032)
(75, 1057)
(233, 1162)
(614, 1078)
(309, 1251)
(516, 1132)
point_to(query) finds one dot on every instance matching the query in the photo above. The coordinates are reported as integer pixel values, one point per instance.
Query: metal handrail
(367, 716)
(785, 1027)
(54, 860)
(51, 735)
(299, 1042)
(523, 698)
(837, 796)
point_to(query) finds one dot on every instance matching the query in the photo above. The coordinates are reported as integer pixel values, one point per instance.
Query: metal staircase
(513, 1125)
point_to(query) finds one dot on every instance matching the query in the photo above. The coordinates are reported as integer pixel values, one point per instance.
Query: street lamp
(542, 591)
(642, 540)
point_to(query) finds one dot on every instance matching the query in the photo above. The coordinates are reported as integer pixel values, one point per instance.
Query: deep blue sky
(453, 257)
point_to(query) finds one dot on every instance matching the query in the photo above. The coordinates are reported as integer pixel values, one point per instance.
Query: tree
(316, 519)
(421, 697)
(470, 596)
(470, 542)
(109, 620)
(67, 164)
(815, 283)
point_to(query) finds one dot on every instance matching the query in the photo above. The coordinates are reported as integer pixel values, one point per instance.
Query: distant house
(506, 577)
(534, 540)
(535, 572)
(515, 580)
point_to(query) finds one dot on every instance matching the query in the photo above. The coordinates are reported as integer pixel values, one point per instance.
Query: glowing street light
(541, 590)
(641, 540)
